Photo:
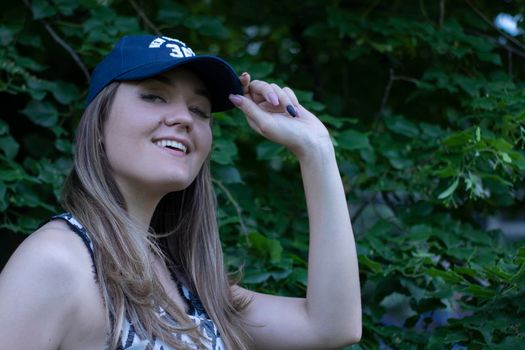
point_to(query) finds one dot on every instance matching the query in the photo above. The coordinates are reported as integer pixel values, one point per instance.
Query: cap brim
(218, 76)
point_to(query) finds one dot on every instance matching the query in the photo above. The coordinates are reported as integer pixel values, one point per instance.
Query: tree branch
(144, 17)
(386, 94)
(63, 43)
(509, 56)
(423, 10)
(370, 9)
(499, 43)
(404, 78)
(68, 48)
(487, 20)
(232, 200)
(392, 77)
(362, 207)
(441, 13)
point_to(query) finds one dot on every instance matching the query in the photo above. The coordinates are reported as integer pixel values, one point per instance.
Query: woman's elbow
(355, 335)
(342, 338)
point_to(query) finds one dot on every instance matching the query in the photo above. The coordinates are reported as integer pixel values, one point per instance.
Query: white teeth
(172, 144)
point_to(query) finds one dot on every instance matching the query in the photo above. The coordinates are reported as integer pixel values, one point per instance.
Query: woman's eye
(200, 112)
(152, 98)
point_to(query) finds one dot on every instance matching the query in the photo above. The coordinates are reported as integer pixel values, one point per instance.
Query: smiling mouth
(172, 144)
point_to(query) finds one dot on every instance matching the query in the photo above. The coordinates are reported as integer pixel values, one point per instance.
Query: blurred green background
(425, 102)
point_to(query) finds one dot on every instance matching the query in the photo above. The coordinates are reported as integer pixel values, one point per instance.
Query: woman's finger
(285, 100)
(245, 82)
(264, 89)
(256, 117)
(291, 96)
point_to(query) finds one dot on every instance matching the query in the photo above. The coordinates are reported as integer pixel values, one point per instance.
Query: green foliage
(425, 103)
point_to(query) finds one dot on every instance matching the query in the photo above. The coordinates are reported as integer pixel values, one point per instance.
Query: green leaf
(495, 272)
(64, 145)
(501, 145)
(42, 113)
(299, 275)
(447, 276)
(505, 157)
(41, 9)
(66, 7)
(352, 140)
(367, 262)
(456, 337)
(480, 291)
(9, 146)
(519, 161)
(3, 202)
(4, 127)
(420, 232)
(402, 126)
(337, 122)
(399, 305)
(224, 151)
(466, 271)
(255, 276)
(450, 190)
(11, 174)
(431, 130)
(457, 139)
(65, 93)
(207, 25)
(227, 174)
(171, 12)
(259, 69)
(265, 247)
(519, 276)
(267, 150)
(6, 36)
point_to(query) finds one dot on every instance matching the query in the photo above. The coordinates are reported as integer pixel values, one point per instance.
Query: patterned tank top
(129, 339)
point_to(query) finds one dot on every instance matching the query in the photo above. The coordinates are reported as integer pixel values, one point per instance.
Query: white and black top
(129, 340)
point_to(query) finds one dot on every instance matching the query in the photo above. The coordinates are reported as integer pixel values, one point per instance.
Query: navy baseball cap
(137, 57)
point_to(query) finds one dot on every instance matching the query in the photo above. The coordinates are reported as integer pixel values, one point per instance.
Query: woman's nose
(179, 117)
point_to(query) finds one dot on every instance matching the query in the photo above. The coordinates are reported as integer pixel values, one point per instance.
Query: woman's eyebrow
(162, 79)
(167, 81)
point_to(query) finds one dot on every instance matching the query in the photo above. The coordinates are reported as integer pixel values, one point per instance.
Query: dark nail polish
(291, 110)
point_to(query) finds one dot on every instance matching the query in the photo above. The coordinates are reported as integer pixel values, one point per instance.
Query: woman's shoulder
(44, 283)
(54, 256)
(56, 247)
(56, 261)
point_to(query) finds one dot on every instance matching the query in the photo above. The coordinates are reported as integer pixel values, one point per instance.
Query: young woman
(136, 262)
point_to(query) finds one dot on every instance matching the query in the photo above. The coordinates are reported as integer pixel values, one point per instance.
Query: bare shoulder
(53, 250)
(42, 286)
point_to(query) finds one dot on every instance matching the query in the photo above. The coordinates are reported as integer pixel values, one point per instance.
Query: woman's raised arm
(330, 315)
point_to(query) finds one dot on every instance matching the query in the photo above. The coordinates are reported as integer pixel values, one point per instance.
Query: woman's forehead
(182, 76)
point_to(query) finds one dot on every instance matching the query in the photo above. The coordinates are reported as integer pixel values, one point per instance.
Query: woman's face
(158, 133)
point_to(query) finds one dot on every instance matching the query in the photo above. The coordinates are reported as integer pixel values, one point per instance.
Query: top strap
(79, 230)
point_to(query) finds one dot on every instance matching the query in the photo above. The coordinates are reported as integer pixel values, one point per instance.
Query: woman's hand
(270, 110)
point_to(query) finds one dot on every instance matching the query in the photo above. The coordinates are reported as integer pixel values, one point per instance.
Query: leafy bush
(425, 103)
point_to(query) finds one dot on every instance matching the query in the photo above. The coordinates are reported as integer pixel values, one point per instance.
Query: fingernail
(273, 98)
(291, 110)
(244, 74)
(236, 99)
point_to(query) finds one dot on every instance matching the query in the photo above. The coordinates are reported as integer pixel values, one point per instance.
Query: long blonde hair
(183, 234)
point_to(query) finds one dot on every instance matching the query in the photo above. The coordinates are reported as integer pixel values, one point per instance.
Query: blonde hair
(183, 234)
